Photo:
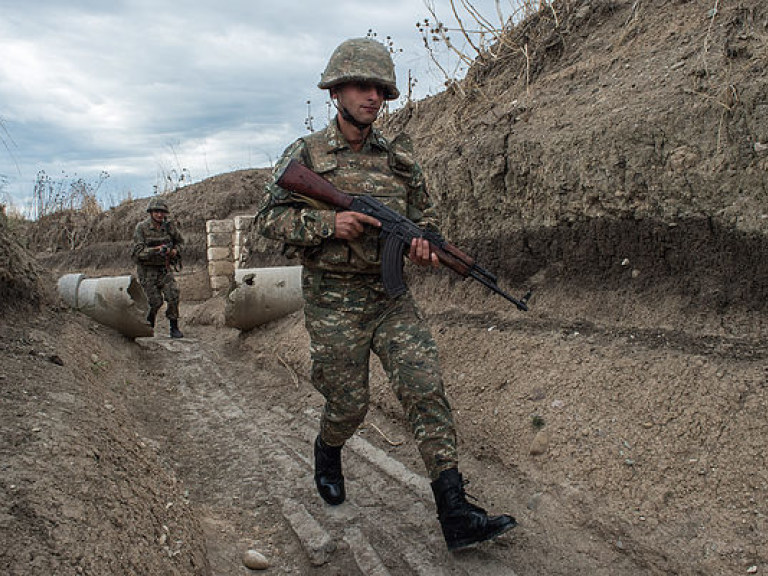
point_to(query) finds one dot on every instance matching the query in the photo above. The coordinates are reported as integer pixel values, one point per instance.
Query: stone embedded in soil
(255, 560)
(540, 443)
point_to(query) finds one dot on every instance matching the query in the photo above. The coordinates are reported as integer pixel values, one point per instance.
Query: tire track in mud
(248, 469)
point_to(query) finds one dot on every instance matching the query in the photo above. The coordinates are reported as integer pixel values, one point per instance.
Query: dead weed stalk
(483, 39)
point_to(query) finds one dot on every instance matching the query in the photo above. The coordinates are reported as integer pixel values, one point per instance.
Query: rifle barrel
(521, 305)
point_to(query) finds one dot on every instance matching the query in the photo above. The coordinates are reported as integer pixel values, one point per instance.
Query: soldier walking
(157, 245)
(347, 311)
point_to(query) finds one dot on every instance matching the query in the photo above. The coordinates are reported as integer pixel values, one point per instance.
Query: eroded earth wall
(612, 144)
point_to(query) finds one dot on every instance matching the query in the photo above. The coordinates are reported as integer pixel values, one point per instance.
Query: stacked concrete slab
(240, 240)
(227, 249)
(221, 258)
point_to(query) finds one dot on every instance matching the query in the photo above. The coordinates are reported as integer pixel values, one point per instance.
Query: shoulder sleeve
(275, 194)
(283, 216)
(139, 242)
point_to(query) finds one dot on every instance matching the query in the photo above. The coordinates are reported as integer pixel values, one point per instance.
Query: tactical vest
(385, 174)
(154, 236)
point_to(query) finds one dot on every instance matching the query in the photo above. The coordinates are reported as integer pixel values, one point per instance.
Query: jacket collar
(337, 141)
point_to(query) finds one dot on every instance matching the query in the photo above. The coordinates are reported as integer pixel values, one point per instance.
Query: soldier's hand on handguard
(350, 225)
(421, 254)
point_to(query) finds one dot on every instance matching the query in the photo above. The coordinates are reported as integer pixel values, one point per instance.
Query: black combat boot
(175, 332)
(463, 523)
(151, 317)
(328, 476)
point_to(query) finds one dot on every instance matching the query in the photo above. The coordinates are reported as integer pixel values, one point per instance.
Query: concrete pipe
(263, 294)
(118, 302)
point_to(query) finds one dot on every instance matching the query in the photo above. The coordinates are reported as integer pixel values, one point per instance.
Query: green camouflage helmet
(361, 60)
(157, 204)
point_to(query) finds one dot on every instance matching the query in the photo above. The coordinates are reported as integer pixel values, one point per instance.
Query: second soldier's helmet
(361, 60)
(157, 204)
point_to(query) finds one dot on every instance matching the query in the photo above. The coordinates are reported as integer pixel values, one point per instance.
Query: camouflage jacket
(386, 170)
(147, 235)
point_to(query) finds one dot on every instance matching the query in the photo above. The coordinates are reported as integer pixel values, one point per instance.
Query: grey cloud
(85, 84)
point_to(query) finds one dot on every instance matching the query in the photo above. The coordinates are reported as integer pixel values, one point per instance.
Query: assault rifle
(165, 252)
(397, 230)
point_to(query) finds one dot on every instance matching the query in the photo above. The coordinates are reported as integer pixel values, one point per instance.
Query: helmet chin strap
(349, 118)
(352, 120)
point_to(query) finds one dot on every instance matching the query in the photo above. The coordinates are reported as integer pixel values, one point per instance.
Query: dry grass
(483, 38)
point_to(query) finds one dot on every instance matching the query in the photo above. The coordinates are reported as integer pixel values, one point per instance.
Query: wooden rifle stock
(298, 178)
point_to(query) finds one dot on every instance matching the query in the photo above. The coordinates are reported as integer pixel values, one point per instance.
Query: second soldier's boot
(175, 332)
(463, 523)
(151, 317)
(328, 477)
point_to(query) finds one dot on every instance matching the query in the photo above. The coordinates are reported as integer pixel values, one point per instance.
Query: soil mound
(20, 283)
(72, 240)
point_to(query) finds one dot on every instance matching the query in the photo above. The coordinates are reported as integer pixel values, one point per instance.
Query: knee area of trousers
(349, 418)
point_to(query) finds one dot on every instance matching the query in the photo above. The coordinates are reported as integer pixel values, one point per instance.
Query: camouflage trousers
(347, 317)
(158, 284)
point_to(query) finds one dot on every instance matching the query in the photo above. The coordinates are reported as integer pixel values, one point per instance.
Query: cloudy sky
(144, 89)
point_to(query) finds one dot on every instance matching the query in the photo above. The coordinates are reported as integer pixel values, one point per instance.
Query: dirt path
(237, 428)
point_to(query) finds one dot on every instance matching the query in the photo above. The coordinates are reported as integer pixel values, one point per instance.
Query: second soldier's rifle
(397, 231)
(165, 253)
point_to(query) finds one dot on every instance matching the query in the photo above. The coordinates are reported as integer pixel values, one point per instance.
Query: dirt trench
(235, 418)
(174, 457)
(648, 417)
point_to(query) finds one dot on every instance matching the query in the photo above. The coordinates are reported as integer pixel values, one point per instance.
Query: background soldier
(157, 246)
(348, 313)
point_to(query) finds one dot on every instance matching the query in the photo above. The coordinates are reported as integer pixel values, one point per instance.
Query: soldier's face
(157, 216)
(361, 99)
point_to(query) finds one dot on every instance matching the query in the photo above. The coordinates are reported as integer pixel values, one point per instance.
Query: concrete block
(219, 226)
(216, 253)
(220, 283)
(216, 239)
(221, 268)
(244, 222)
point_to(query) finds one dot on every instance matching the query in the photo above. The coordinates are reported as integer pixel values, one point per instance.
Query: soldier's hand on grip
(350, 225)
(420, 253)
